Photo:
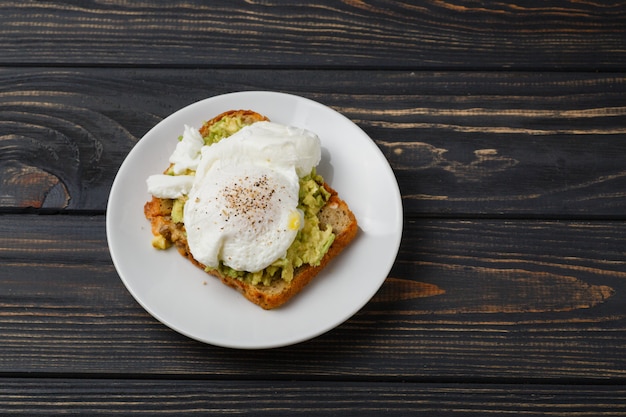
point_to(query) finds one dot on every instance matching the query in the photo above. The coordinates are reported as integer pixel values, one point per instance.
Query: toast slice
(334, 213)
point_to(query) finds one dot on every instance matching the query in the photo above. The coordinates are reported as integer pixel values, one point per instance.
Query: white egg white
(243, 216)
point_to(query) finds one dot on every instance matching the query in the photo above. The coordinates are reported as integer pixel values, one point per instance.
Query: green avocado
(177, 209)
(223, 128)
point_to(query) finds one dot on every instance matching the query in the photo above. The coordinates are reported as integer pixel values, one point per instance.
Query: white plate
(199, 306)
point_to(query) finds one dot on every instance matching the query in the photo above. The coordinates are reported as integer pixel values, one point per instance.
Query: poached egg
(242, 206)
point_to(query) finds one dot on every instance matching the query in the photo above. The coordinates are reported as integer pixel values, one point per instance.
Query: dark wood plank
(34, 397)
(555, 34)
(460, 143)
(466, 301)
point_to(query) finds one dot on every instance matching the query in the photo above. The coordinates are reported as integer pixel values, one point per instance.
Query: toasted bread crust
(248, 117)
(335, 213)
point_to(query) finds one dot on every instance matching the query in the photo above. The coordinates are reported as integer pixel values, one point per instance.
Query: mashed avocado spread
(311, 242)
(225, 127)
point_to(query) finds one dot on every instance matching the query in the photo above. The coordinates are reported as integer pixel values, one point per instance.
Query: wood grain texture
(471, 143)
(466, 301)
(504, 123)
(376, 33)
(302, 398)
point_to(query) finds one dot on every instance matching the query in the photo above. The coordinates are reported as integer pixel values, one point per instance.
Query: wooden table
(505, 125)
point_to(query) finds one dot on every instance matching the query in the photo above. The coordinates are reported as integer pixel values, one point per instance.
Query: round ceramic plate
(198, 305)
